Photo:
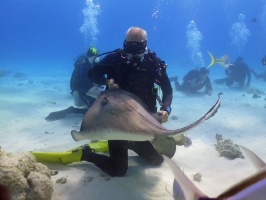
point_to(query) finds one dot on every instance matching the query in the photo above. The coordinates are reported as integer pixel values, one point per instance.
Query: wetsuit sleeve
(97, 74)
(208, 87)
(249, 76)
(105, 69)
(79, 80)
(74, 83)
(166, 89)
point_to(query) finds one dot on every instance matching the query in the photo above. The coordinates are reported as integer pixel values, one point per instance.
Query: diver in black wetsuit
(260, 75)
(83, 90)
(135, 69)
(236, 73)
(194, 80)
(263, 60)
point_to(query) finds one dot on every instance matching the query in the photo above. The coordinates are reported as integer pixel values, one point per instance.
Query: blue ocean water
(46, 35)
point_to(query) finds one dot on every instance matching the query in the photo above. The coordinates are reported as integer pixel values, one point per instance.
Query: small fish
(254, 19)
(224, 60)
(253, 187)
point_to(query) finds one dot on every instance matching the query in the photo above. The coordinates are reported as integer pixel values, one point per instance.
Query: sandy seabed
(27, 99)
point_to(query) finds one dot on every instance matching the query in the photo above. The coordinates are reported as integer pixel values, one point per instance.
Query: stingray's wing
(185, 185)
(254, 186)
(256, 160)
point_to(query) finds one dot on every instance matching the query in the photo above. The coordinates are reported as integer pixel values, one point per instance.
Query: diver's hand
(111, 84)
(164, 115)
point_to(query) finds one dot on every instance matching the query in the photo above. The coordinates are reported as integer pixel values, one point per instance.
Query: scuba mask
(135, 47)
(136, 58)
(135, 51)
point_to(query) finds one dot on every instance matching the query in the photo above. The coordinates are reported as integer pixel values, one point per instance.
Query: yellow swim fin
(213, 59)
(58, 157)
(72, 155)
(99, 146)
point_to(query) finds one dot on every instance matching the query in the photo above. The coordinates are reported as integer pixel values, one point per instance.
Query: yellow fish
(223, 60)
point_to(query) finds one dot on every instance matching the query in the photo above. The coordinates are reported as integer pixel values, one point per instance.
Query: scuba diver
(236, 73)
(135, 69)
(260, 75)
(263, 60)
(194, 80)
(83, 90)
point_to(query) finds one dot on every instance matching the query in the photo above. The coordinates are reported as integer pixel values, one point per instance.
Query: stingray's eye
(104, 101)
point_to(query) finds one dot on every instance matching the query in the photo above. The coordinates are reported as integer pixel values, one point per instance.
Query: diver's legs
(229, 82)
(116, 164)
(146, 150)
(78, 101)
(62, 113)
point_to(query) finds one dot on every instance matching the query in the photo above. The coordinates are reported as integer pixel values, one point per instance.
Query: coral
(227, 148)
(197, 177)
(24, 177)
(256, 92)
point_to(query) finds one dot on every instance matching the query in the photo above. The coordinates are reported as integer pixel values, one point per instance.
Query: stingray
(120, 115)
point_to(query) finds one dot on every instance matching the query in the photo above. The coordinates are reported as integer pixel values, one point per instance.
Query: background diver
(82, 89)
(194, 80)
(236, 73)
(260, 75)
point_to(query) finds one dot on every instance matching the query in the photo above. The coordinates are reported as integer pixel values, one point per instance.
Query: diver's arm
(75, 80)
(97, 74)
(167, 91)
(186, 77)
(249, 77)
(208, 87)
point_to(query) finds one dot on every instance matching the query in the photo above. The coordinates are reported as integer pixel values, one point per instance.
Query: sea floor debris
(227, 148)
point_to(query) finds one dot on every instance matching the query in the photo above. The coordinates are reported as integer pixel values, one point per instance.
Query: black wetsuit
(237, 73)
(194, 80)
(79, 79)
(78, 82)
(139, 80)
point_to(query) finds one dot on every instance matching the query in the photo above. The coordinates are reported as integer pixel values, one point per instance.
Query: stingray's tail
(207, 116)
